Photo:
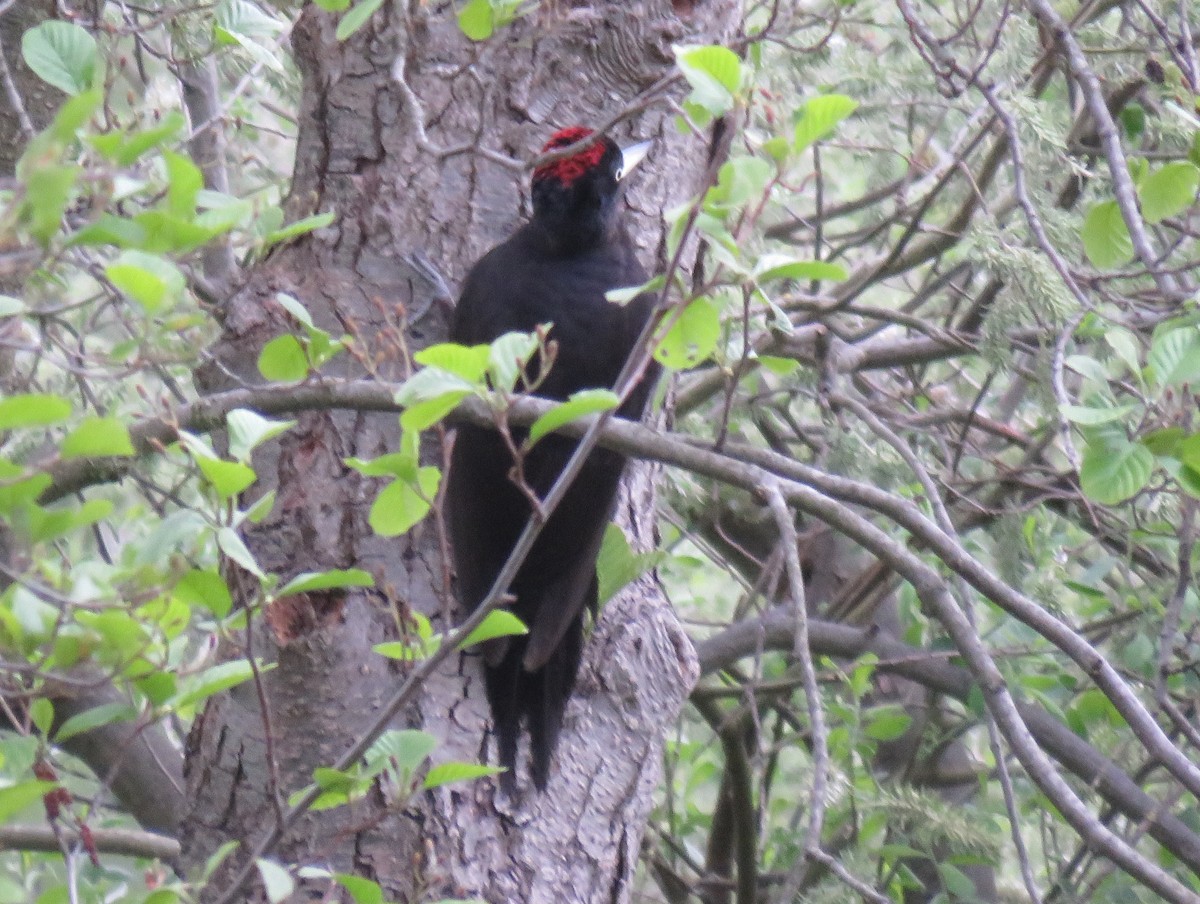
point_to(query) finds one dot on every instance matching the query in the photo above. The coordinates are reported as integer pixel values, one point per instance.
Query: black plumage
(555, 269)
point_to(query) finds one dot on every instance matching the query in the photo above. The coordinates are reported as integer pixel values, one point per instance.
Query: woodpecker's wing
(558, 580)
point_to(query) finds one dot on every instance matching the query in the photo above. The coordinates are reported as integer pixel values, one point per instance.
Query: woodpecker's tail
(538, 698)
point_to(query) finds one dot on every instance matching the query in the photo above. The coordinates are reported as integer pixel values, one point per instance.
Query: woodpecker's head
(576, 198)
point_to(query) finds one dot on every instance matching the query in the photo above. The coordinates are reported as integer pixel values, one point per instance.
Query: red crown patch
(569, 169)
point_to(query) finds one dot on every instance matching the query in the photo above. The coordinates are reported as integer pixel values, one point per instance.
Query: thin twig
(785, 522)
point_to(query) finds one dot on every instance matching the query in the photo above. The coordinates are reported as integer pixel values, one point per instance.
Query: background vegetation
(929, 448)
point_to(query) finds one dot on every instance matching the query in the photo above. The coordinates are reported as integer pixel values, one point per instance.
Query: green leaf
(260, 508)
(618, 565)
(419, 643)
(820, 116)
(232, 545)
(958, 884)
(777, 266)
(447, 773)
(220, 213)
(322, 348)
(69, 119)
(334, 780)
(316, 221)
(195, 445)
(124, 149)
(580, 404)
(218, 857)
(163, 896)
(1105, 237)
(293, 306)
(1114, 469)
(97, 437)
(476, 20)
(425, 414)
(395, 464)
(228, 478)
(283, 360)
(245, 24)
(18, 797)
(363, 891)
(356, 18)
(41, 714)
(1089, 367)
(110, 230)
(693, 336)
(277, 881)
(158, 686)
(1133, 118)
(1090, 416)
(1169, 191)
(714, 73)
(408, 651)
(214, 680)
(467, 361)
(1093, 707)
(50, 524)
(741, 180)
(404, 749)
(10, 306)
(431, 383)
(96, 717)
(626, 294)
(886, 723)
(332, 6)
(1164, 441)
(48, 192)
(124, 636)
(166, 233)
(401, 504)
(207, 589)
(150, 280)
(1187, 451)
(248, 429)
(62, 54)
(33, 410)
(1125, 346)
(508, 357)
(326, 580)
(498, 623)
(184, 182)
(781, 367)
(18, 494)
(1174, 357)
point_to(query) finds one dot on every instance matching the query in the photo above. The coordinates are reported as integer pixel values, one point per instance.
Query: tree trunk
(409, 221)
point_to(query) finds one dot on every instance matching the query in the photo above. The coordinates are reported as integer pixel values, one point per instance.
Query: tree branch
(121, 842)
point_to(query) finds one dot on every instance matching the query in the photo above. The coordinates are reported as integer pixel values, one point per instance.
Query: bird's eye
(619, 173)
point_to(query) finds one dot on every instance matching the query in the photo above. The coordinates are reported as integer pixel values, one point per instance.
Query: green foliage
(866, 207)
(819, 117)
(579, 405)
(618, 565)
(63, 54)
(715, 76)
(497, 623)
(1105, 236)
(479, 19)
(692, 335)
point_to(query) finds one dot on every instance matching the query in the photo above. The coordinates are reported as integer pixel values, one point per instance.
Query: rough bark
(409, 222)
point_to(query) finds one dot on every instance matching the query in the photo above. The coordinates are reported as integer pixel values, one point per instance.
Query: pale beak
(632, 156)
